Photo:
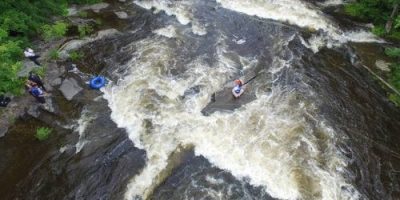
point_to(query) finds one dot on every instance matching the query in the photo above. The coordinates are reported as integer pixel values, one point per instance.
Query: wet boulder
(96, 7)
(121, 14)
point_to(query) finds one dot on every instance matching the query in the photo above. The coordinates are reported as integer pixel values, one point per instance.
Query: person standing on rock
(32, 56)
(36, 79)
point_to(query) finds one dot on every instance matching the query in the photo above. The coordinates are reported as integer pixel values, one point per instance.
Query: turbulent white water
(81, 126)
(301, 14)
(269, 140)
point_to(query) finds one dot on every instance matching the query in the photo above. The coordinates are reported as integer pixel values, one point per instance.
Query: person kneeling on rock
(36, 92)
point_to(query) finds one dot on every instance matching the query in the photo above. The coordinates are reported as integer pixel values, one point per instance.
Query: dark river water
(312, 124)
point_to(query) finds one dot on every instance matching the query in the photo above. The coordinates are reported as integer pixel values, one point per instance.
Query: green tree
(21, 20)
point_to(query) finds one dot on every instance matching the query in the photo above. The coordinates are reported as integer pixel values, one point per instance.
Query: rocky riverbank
(73, 111)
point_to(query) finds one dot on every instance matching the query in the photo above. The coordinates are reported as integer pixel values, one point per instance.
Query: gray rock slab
(3, 131)
(70, 88)
(55, 82)
(76, 44)
(34, 110)
(121, 14)
(27, 66)
(96, 7)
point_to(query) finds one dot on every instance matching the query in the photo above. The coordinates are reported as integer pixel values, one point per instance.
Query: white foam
(267, 140)
(82, 124)
(303, 15)
(169, 31)
(332, 3)
(180, 9)
(198, 29)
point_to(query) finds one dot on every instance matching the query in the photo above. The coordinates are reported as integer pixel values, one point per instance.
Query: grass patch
(54, 54)
(85, 30)
(82, 14)
(75, 55)
(55, 31)
(41, 71)
(43, 133)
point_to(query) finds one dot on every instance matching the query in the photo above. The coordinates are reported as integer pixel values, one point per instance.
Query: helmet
(238, 82)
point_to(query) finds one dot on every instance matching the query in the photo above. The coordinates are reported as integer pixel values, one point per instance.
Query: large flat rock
(70, 88)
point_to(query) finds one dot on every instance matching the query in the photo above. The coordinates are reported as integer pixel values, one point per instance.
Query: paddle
(250, 80)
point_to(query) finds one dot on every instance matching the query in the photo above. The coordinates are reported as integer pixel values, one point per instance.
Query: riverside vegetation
(43, 133)
(384, 16)
(20, 22)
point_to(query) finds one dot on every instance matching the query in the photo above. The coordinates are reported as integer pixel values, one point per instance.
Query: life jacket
(237, 89)
(36, 91)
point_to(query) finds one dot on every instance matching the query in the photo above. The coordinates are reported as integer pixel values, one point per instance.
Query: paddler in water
(238, 88)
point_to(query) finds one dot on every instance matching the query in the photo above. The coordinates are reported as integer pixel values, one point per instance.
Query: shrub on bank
(43, 133)
(75, 55)
(378, 12)
(55, 31)
(394, 76)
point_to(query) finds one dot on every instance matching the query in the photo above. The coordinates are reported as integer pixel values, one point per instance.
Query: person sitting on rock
(35, 91)
(36, 78)
(32, 56)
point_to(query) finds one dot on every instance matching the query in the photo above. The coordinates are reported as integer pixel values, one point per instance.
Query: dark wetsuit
(35, 78)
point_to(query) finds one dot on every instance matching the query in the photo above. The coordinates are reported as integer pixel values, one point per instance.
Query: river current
(312, 124)
(296, 130)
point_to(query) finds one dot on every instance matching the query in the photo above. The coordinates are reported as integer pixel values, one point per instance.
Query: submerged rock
(70, 88)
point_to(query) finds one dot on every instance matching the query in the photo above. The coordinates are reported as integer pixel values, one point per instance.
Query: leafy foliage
(84, 30)
(21, 20)
(54, 31)
(395, 81)
(378, 12)
(75, 55)
(392, 52)
(54, 54)
(394, 77)
(43, 133)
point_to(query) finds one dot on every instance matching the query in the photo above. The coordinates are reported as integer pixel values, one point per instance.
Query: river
(312, 124)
